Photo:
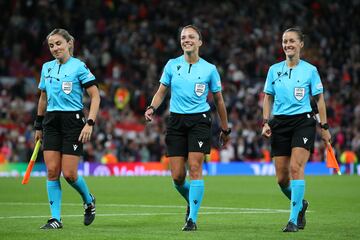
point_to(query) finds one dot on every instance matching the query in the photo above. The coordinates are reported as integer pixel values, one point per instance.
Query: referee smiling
(290, 85)
(61, 123)
(188, 133)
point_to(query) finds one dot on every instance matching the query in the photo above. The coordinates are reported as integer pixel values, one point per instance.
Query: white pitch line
(145, 206)
(139, 214)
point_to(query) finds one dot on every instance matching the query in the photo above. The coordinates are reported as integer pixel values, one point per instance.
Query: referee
(61, 123)
(188, 133)
(289, 86)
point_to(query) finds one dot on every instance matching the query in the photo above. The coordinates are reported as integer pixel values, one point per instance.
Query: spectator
(128, 43)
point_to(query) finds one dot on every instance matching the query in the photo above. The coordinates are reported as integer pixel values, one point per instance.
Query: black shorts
(188, 133)
(292, 131)
(62, 130)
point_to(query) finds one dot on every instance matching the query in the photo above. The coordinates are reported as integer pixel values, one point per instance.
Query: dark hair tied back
(197, 30)
(298, 31)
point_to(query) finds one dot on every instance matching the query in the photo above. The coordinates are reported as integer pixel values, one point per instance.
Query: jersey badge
(299, 93)
(199, 89)
(67, 87)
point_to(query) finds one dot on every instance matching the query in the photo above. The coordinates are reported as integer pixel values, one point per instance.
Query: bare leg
(282, 166)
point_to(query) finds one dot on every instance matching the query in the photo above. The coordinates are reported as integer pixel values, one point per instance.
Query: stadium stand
(128, 42)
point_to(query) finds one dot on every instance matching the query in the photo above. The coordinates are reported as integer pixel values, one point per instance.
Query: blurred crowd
(126, 44)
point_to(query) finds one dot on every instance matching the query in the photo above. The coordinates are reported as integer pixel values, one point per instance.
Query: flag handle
(30, 166)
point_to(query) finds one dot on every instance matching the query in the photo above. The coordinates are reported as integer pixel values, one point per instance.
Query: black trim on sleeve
(89, 84)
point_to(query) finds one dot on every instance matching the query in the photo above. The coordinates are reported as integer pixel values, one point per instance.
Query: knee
(179, 181)
(70, 176)
(283, 178)
(284, 182)
(178, 175)
(53, 173)
(195, 171)
(295, 170)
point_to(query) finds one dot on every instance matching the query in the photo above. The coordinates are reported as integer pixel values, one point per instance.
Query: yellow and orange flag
(31, 163)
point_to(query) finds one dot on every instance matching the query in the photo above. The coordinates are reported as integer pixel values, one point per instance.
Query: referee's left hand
(224, 139)
(266, 131)
(326, 136)
(85, 134)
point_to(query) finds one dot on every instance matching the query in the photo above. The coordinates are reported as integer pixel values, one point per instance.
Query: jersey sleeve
(269, 87)
(215, 81)
(166, 75)
(41, 85)
(316, 84)
(84, 75)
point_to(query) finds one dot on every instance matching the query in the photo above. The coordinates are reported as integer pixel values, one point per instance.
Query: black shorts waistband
(187, 114)
(64, 112)
(293, 116)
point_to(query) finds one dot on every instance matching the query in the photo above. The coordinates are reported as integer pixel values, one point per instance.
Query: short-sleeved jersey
(190, 84)
(64, 84)
(292, 87)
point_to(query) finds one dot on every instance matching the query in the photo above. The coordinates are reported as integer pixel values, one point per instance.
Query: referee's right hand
(266, 130)
(38, 135)
(148, 114)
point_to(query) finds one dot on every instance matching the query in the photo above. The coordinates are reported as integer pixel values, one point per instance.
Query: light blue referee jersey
(292, 87)
(190, 84)
(64, 84)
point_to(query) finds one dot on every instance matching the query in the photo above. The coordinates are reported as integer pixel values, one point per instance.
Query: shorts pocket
(205, 118)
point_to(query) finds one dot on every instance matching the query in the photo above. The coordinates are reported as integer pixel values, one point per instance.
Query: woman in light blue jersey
(290, 85)
(61, 124)
(188, 133)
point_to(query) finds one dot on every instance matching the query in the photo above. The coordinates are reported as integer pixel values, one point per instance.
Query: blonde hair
(66, 35)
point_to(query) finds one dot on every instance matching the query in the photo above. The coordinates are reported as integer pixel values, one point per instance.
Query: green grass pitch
(234, 207)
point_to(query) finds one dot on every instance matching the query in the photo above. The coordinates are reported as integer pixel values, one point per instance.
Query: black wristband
(151, 107)
(38, 122)
(90, 122)
(324, 126)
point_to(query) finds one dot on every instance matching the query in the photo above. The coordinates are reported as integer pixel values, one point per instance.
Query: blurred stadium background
(126, 43)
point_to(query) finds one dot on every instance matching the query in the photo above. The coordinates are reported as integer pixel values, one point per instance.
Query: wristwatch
(226, 132)
(324, 126)
(90, 122)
